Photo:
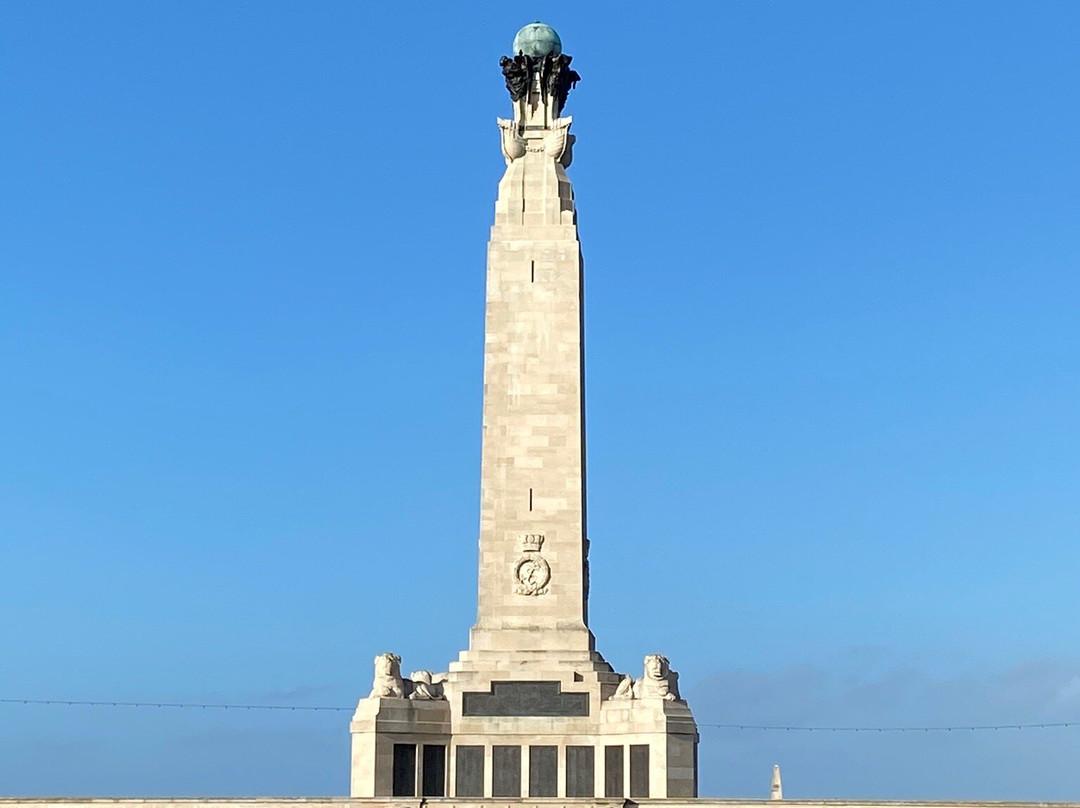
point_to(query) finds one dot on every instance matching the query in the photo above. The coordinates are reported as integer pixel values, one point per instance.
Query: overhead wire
(172, 704)
(744, 727)
(958, 728)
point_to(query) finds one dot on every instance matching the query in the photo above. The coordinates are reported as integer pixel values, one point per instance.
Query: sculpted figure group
(389, 684)
(517, 72)
(556, 77)
(659, 681)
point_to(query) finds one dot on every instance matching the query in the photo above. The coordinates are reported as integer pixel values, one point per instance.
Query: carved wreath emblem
(531, 572)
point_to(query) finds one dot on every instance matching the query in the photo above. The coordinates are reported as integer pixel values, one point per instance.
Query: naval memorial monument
(531, 709)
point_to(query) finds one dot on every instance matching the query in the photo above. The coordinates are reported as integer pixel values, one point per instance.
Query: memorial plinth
(531, 709)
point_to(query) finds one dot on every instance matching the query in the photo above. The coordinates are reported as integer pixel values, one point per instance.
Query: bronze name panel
(526, 699)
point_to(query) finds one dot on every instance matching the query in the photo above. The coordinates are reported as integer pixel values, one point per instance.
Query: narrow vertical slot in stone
(530, 499)
(532, 272)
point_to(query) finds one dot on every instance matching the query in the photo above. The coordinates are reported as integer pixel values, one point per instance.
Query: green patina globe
(537, 40)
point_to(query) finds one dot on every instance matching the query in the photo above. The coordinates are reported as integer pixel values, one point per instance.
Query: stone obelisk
(533, 579)
(530, 709)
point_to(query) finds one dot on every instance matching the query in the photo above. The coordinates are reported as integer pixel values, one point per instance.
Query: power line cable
(172, 705)
(959, 728)
(745, 727)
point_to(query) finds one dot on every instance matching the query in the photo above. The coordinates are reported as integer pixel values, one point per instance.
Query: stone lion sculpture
(426, 686)
(659, 681)
(388, 683)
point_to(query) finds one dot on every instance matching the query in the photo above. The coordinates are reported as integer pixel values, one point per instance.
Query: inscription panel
(433, 774)
(506, 771)
(470, 771)
(580, 778)
(543, 771)
(639, 770)
(526, 699)
(404, 773)
(613, 771)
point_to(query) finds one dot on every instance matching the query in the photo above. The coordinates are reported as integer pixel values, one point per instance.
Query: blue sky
(833, 377)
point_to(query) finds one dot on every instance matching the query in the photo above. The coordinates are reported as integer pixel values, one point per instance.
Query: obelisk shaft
(533, 547)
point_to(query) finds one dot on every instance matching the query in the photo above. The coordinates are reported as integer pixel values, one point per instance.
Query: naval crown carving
(532, 573)
(532, 542)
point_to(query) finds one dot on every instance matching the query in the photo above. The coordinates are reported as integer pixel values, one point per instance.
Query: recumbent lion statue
(659, 681)
(389, 684)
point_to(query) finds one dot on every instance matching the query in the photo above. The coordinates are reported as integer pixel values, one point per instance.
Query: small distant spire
(777, 792)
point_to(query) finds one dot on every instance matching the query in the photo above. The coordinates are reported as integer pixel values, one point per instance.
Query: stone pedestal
(534, 737)
(381, 724)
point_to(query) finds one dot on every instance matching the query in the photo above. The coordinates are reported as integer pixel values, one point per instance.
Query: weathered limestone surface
(532, 517)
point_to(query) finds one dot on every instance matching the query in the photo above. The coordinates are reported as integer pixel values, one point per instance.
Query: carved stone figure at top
(387, 682)
(659, 681)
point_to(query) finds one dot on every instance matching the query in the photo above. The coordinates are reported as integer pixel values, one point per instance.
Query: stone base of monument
(526, 729)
